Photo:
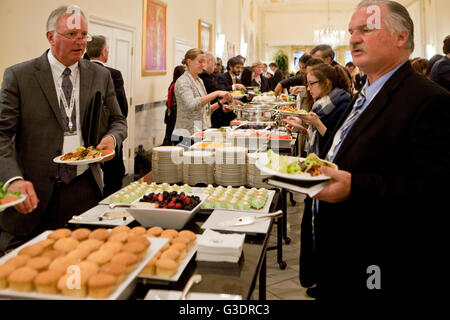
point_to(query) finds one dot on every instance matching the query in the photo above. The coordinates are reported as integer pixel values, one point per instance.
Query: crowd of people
(373, 231)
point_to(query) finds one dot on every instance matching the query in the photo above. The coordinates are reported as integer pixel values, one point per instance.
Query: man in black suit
(378, 222)
(219, 118)
(440, 73)
(277, 75)
(114, 170)
(45, 105)
(229, 80)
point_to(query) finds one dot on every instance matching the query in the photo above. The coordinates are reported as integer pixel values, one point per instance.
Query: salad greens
(4, 193)
(285, 164)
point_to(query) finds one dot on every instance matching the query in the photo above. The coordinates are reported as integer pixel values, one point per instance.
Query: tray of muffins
(169, 263)
(79, 264)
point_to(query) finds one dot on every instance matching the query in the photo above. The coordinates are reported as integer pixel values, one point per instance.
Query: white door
(120, 40)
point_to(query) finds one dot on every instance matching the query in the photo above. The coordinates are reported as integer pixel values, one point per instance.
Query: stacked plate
(167, 164)
(231, 166)
(198, 167)
(254, 175)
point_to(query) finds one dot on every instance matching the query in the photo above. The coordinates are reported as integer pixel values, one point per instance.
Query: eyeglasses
(310, 84)
(74, 35)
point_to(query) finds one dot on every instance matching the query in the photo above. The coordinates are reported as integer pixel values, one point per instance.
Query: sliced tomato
(106, 152)
(9, 199)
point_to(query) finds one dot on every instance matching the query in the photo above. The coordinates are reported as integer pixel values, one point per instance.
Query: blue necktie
(348, 124)
(67, 173)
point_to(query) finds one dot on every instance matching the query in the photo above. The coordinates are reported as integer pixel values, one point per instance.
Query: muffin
(61, 264)
(180, 247)
(22, 279)
(66, 244)
(46, 244)
(119, 229)
(115, 269)
(18, 261)
(59, 234)
(138, 248)
(79, 254)
(33, 250)
(53, 254)
(150, 268)
(39, 263)
(100, 257)
(113, 246)
(169, 233)
(172, 254)
(166, 268)
(181, 239)
(5, 271)
(101, 285)
(46, 282)
(127, 258)
(154, 232)
(100, 234)
(91, 244)
(139, 238)
(81, 234)
(138, 230)
(188, 234)
(119, 237)
(71, 286)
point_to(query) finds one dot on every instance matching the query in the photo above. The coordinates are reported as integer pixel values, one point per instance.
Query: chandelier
(329, 35)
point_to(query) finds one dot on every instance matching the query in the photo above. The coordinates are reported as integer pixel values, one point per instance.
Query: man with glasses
(44, 105)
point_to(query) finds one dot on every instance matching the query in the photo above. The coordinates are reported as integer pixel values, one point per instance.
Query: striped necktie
(345, 128)
(67, 173)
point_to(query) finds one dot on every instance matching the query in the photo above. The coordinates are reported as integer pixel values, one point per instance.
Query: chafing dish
(255, 113)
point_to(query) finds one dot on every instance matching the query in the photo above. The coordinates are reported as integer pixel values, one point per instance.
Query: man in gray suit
(45, 105)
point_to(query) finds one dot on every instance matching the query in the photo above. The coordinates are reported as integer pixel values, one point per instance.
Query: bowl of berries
(166, 209)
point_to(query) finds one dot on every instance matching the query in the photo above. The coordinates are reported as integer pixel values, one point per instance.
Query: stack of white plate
(231, 166)
(254, 175)
(198, 167)
(167, 164)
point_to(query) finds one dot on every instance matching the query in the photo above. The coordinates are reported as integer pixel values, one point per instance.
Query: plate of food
(295, 168)
(64, 264)
(292, 111)
(10, 199)
(237, 94)
(83, 156)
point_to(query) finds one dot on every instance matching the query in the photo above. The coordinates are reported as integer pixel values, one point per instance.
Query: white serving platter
(217, 216)
(156, 245)
(91, 217)
(176, 295)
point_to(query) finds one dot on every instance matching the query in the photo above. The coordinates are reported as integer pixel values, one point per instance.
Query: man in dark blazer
(36, 126)
(277, 76)
(114, 170)
(229, 80)
(378, 224)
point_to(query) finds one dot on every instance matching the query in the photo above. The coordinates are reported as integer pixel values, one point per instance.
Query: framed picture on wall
(154, 38)
(205, 36)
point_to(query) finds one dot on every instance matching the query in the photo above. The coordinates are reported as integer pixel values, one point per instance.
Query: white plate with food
(103, 215)
(12, 203)
(182, 265)
(155, 246)
(288, 167)
(84, 156)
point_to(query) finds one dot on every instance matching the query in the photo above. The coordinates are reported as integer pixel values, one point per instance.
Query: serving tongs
(243, 221)
(196, 278)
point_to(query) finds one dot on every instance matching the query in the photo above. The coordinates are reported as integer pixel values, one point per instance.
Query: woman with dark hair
(420, 65)
(171, 112)
(329, 89)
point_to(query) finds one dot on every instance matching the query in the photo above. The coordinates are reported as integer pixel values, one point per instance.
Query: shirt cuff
(12, 180)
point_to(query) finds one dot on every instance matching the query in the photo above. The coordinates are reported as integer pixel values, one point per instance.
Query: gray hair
(95, 46)
(209, 55)
(398, 19)
(60, 12)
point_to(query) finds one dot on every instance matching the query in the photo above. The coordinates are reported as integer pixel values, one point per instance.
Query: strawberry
(178, 205)
(160, 197)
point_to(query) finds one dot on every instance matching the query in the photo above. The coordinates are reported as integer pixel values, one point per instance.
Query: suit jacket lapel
(44, 77)
(86, 78)
(377, 105)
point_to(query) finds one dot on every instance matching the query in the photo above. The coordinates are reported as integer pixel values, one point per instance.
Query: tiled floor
(285, 284)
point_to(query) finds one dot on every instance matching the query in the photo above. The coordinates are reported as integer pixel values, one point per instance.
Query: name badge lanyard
(69, 107)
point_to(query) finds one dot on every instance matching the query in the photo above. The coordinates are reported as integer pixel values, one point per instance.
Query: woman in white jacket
(193, 103)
